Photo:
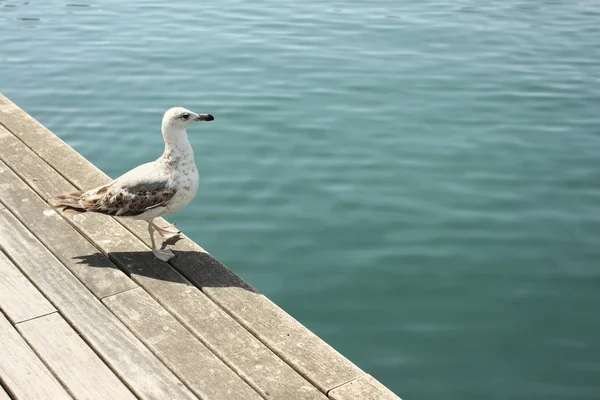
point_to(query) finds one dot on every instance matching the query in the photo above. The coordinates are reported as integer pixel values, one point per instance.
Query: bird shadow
(187, 267)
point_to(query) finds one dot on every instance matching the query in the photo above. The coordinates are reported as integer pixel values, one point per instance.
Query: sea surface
(416, 182)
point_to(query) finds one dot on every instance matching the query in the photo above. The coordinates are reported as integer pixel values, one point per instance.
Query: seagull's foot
(168, 231)
(163, 254)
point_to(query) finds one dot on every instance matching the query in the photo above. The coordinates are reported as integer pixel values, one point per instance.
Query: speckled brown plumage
(117, 202)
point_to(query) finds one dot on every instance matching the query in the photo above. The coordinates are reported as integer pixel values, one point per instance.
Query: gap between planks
(121, 292)
(39, 316)
(345, 383)
(38, 364)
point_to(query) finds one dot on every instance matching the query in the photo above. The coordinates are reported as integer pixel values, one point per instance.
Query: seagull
(151, 190)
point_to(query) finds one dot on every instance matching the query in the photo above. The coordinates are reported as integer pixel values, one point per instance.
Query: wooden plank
(21, 372)
(207, 376)
(72, 361)
(233, 344)
(19, 299)
(146, 376)
(364, 388)
(322, 365)
(103, 278)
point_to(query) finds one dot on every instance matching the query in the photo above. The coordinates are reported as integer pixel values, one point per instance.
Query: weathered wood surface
(22, 372)
(102, 278)
(71, 360)
(199, 298)
(19, 299)
(134, 363)
(323, 366)
(363, 388)
(200, 369)
(231, 342)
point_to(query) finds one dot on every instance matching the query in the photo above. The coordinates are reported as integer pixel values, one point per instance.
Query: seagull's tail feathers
(68, 203)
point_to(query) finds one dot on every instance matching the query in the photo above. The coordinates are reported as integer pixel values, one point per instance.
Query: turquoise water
(416, 182)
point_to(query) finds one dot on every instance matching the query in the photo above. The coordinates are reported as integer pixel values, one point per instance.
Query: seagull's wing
(139, 190)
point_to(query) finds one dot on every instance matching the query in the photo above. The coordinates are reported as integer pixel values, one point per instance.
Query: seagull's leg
(163, 254)
(151, 232)
(168, 231)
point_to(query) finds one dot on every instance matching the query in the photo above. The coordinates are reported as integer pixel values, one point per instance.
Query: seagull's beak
(204, 117)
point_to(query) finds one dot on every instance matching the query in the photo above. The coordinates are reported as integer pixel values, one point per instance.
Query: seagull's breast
(184, 179)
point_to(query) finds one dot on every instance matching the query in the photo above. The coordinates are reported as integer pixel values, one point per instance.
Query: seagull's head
(179, 118)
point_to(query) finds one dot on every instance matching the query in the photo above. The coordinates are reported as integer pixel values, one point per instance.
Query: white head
(178, 119)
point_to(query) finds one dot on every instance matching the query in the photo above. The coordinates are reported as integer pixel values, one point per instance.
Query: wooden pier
(87, 312)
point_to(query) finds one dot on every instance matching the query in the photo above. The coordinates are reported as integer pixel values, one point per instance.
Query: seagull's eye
(185, 117)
